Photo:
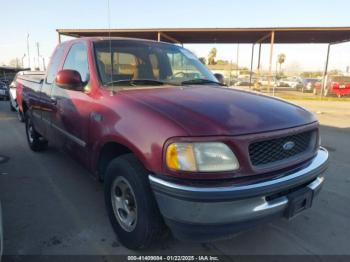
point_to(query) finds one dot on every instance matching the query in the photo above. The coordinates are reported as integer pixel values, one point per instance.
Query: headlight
(202, 157)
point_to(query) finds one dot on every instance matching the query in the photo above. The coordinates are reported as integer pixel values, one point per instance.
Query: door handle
(53, 100)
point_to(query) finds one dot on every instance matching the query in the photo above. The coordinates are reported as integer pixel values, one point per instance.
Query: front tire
(131, 207)
(35, 141)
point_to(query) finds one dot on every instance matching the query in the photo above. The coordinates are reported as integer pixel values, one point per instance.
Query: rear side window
(55, 61)
(77, 60)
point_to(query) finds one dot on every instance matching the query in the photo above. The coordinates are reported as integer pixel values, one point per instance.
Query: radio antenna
(110, 45)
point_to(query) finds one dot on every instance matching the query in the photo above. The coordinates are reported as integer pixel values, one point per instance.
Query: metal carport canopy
(283, 35)
(271, 35)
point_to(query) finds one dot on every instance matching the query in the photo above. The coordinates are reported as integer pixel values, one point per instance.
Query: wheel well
(108, 152)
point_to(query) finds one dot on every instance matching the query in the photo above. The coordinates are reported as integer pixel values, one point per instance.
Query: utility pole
(22, 60)
(44, 66)
(37, 47)
(325, 76)
(28, 50)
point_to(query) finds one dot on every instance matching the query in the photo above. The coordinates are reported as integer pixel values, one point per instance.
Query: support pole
(59, 38)
(324, 78)
(28, 51)
(270, 63)
(259, 56)
(237, 60)
(258, 69)
(251, 67)
(159, 36)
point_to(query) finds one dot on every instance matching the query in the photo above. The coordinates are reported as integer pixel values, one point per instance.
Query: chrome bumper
(235, 204)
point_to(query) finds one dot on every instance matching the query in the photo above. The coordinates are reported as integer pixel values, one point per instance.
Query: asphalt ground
(52, 206)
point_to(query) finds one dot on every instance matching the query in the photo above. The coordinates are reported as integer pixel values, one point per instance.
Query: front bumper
(206, 213)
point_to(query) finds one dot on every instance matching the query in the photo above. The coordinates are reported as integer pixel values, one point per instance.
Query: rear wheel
(130, 203)
(35, 141)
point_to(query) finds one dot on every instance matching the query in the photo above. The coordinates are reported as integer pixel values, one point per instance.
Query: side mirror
(220, 78)
(69, 79)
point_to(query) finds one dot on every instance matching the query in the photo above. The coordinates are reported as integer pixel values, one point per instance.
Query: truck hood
(209, 110)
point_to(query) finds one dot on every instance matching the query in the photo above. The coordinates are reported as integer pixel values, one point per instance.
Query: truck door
(46, 103)
(71, 117)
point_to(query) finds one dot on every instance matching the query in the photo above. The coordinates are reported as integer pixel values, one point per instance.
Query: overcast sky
(40, 18)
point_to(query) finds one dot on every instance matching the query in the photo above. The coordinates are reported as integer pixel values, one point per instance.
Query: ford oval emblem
(288, 145)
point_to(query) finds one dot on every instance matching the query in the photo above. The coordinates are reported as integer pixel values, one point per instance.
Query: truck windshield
(135, 62)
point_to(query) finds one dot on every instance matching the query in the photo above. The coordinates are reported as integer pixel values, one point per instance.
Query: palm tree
(281, 59)
(212, 56)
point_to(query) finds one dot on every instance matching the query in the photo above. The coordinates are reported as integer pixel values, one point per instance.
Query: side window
(179, 63)
(77, 60)
(55, 61)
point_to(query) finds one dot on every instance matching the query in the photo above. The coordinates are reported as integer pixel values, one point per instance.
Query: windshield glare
(123, 60)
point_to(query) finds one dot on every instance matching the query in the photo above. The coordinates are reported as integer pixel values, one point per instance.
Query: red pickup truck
(174, 147)
(335, 85)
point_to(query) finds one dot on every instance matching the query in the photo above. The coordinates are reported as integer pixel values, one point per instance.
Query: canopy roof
(283, 35)
(12, 69)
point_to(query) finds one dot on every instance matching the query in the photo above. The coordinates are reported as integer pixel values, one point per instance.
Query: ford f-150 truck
(174, 147)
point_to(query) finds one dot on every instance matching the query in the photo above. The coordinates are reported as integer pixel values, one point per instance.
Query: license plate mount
(299, 201)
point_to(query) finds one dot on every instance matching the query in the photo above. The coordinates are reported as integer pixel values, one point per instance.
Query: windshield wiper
(200, 81)
(134, 82)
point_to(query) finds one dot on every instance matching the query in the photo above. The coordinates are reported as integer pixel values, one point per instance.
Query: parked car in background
(243, 81)
(335, 85)
(264, 81)
(173, 150)
(291, 82)
(308, 85)
(232, 81)
(4, 91)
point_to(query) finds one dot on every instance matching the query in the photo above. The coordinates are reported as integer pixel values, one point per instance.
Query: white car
(12, 94)
(293, 82)
(265, 81)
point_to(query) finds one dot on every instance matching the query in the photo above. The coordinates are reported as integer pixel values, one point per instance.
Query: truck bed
(36, 77)
(26, 84)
